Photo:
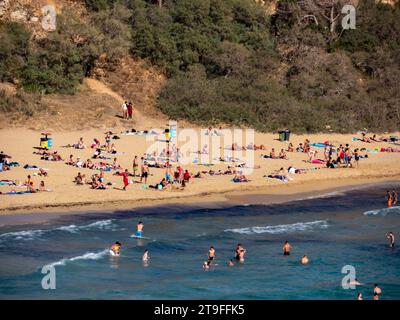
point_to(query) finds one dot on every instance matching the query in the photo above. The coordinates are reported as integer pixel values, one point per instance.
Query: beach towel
(317, 161)
(238, 180)
(11, 193)
(7, 183)
(280, 178)
(318, 145)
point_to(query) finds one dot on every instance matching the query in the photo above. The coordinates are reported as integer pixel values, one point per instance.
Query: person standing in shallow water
(389, 199)
(390, 236)
(239, 253)
(211, 255)
(286, 248)
(394, 198)
(377, 292)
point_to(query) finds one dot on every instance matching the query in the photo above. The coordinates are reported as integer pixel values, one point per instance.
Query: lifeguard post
(45, 141)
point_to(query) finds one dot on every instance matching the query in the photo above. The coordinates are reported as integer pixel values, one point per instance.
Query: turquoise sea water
(343, 229)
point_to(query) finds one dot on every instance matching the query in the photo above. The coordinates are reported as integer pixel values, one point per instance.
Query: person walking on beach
(286, 248)
(390, 236)
(125, 180)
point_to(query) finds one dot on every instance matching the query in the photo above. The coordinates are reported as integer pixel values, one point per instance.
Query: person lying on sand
(52, 156)
(160, 186)
(281, 174)
(198, 175)
(239, 177)
(42, 172)
(364, 138)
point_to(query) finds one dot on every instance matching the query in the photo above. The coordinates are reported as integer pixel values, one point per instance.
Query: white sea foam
(102, 225)
(282, 228)
(34, 234)
(22, 235)
(86, 256)
(383, 212)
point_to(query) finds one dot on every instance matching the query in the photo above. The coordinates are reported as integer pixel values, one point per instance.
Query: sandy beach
(67, 196)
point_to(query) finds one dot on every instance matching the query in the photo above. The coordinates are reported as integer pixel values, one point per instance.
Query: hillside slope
(262, 63)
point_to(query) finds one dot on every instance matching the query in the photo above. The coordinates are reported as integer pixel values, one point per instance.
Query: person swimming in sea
(146, 256)
(391, 238)
(211, 255)
(377, 292)
(139, 229)
(116, 247)
(355, 282)
(286, 248)
(231, 263)
(304, 260)
(359, 296)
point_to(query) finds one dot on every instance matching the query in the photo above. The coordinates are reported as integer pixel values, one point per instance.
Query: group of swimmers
(116, 247)
(239, 256)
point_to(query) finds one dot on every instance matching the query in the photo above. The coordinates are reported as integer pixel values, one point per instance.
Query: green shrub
(14, 49)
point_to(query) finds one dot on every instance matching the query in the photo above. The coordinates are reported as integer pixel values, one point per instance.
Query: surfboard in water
(138, 237)
(114, 254)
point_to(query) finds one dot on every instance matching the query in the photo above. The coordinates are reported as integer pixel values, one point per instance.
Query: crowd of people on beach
(175, 177)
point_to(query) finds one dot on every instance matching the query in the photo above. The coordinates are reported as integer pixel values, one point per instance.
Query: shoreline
(265, 195)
